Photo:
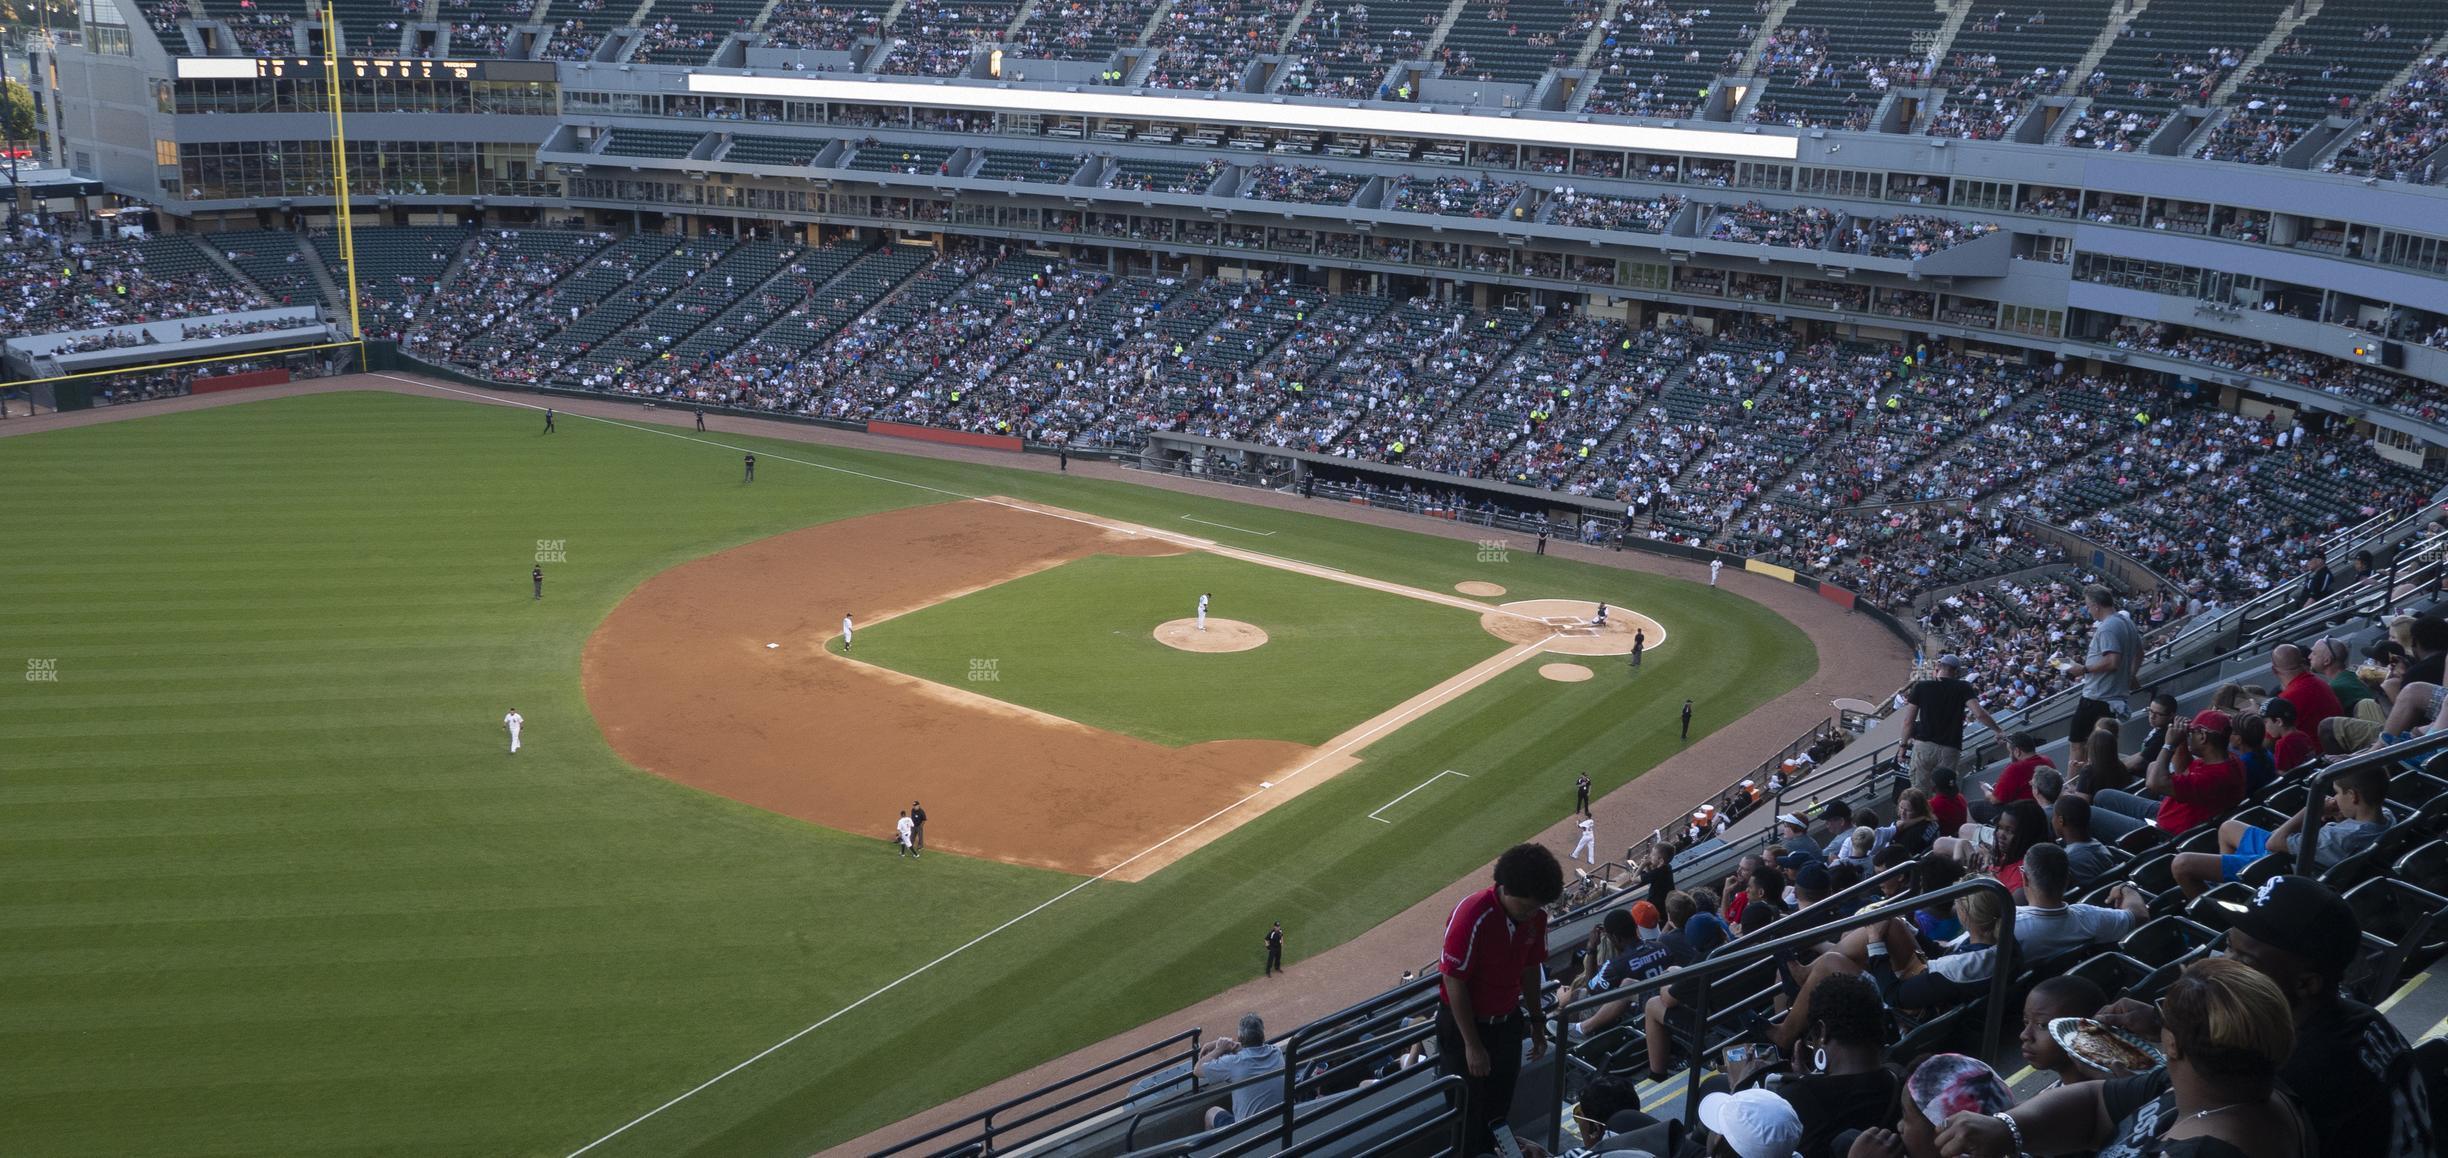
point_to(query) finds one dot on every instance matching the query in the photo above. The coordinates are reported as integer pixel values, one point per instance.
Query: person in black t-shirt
(538, 576)
(1657, 875)
(1847, 1084)
(1933, 719)
(2350, 1068)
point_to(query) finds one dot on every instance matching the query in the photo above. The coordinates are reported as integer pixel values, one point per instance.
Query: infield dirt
(681, 683)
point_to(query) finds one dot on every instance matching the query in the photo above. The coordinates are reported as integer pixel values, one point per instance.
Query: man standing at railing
(1494, 944)
(2317, 582)
(1933, 720)
(2112, 665)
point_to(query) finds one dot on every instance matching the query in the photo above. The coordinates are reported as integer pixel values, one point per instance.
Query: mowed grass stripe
(338, 919)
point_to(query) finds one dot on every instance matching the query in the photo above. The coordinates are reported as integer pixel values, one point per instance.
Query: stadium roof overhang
(1106, 102)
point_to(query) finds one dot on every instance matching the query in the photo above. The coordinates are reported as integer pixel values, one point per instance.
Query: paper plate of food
(2105, 1048)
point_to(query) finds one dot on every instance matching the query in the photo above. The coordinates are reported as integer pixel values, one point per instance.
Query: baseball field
(272, 883)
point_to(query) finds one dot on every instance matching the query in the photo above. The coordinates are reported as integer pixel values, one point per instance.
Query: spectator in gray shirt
(2087, 860)
(2112, 665)
(1230, 1060)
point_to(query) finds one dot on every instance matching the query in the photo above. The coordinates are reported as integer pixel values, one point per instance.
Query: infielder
(845, 631)
(512, 722)
(1202, 612)
(907, 832)
(1602, 614)
(1587, 846)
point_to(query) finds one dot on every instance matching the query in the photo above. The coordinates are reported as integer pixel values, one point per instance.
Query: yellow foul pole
(339, 165)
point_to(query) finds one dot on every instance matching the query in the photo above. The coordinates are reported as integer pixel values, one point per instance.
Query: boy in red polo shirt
(1494, 944)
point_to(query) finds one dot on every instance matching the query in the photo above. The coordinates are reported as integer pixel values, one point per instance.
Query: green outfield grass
(1079, 641)
(269, 883)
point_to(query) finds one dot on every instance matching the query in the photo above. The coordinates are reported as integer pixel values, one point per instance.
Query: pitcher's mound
(1221, 635)
(1480, 588)
(1565, 673)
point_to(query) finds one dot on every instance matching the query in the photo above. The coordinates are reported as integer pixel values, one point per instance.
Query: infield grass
(1078, 641)
(270, 884)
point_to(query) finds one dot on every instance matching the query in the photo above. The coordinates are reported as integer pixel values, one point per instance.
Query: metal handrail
(2319, 787)
(1735, 957)
(985, 1141)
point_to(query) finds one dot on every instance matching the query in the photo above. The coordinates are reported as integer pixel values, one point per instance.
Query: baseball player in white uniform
(1587, 846)
(512, 722)
(1202, 615)
(1715, 565)
(906, 828)
(845, 631)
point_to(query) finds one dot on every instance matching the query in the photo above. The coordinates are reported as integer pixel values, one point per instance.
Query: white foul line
(1422, 784)
(1314, 761)
(1228, 526)
(1337, 750)
(1358, 740)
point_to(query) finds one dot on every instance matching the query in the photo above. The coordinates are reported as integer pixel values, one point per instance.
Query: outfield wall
(384, 355)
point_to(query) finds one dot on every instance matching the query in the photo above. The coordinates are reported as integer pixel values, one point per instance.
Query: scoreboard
(362, 68)
(369, 68)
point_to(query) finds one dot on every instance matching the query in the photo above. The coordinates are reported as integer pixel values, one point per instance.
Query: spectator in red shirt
(2312, 696)
(2014, 782)
(1946, 803)
(2290, 745)
(2201, 781)
(1494, 944)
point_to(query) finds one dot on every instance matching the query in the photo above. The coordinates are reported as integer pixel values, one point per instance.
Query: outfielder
(1202, 612)
(1715, 565)
(512, 722)
(1587, 846)
(845, 631)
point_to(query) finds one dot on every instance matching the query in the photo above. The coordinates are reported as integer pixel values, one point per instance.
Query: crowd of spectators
(1302, 183)
(1908, 235)
(1579, 210)
(941, 37)
(49, 283)
(1800, 226)
(826, 27)
(1337, 52)
(1206, 45)
(2403, 130)
(122, 339)
(1484, 197)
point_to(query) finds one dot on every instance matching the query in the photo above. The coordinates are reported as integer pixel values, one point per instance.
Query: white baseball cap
(1756, 1123)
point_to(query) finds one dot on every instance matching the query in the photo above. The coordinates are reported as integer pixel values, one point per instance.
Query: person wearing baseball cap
(1750, 1124)
(2200, 781)
(1933, 719)
(2350, 1069)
